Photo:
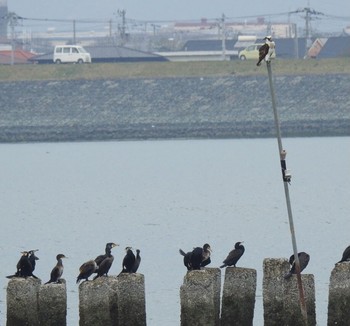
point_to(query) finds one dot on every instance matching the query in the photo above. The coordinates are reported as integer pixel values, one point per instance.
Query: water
(160, 196)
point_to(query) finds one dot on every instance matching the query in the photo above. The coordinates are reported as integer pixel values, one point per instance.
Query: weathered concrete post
(22, 301)
(131, 300)
(339, 295)
(281, 296)
(94, 302)
(53, 304)
(200, 298)
(238, 298)
(115, 301)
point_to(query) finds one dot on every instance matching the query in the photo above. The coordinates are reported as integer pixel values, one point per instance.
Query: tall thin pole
(286, 179)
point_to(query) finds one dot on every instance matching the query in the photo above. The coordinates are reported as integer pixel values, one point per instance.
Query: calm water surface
(160, 196)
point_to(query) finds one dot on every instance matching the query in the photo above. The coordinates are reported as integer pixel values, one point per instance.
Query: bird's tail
(222, 266)
(182, 252)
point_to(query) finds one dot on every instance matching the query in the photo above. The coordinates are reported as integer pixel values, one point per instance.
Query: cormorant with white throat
(128, 261)
(137, 261)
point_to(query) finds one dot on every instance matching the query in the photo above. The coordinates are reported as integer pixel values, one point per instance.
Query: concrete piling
(22, 301)
(53, 304)
(200, 298)
(339, 295)
(131, 303)
(281, 296)
(238, 298)
(115, 301)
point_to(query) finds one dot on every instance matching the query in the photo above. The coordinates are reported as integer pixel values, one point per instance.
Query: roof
(19, 56)
(336, 47)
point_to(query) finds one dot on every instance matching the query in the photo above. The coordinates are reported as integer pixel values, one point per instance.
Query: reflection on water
(160, 196)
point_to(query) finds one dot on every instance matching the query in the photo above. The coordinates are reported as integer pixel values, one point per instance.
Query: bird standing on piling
(200, 257)
(57, 271)
(104, 262)
(346, 255)
(25, 265)
(187, 259)
(137, 262)
(128, 261)
(266, 50)
(86, 270)
(234, 255)
(304, 259)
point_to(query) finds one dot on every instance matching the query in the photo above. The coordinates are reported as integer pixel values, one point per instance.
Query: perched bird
(104, 262)
(33, 258)
(200, 257)
(266, 50)
(137, 261)
(25, 265)
(234, 255)
(304, 259)
(86, 270)
(108, 249)
(187, 259)
(57, 271)
(128, 261)
(346, 255)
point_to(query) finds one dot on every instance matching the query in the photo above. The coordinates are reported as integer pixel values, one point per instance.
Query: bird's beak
(115, 245)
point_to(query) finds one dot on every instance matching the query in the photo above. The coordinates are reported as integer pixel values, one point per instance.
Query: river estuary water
(160, 196)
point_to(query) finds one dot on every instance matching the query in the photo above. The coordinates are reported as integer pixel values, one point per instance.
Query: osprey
(266, 50)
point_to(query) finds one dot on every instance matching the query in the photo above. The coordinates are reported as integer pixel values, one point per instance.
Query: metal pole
(282, 155)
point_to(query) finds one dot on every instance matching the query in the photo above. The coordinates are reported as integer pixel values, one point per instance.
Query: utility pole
(308, 17)
(122, 27)
(12, 19)
(74, 33)
(223, 37)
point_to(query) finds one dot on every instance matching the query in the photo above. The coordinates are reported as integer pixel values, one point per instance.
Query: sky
(160, 10)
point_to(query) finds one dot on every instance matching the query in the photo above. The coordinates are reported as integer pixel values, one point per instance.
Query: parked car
(70, 54)
(252, 52)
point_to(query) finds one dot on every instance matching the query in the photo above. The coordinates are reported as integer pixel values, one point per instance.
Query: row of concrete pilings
(120, 301)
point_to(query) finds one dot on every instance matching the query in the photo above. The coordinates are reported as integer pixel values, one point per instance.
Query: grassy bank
(170, 69)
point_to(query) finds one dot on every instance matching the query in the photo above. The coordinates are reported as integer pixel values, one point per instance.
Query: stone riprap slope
(191, 107)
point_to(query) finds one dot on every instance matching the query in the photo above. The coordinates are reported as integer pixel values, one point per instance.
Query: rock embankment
(158, 108)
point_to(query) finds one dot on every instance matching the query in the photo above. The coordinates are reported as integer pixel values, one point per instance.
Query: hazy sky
(168, 10)
(181, 10)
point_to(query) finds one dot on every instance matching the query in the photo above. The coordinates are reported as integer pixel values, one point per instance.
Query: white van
(70, 53)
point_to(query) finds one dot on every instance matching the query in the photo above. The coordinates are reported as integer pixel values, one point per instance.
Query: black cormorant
(33, 258)
(137, 261)
(108, 249)
(128, 261)
(57, 271)
(86, 270)
(187, 259)
(104, 262)
(200, 257)
(234, 255)
(24, 265)
(346, 255)
(304, 259)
